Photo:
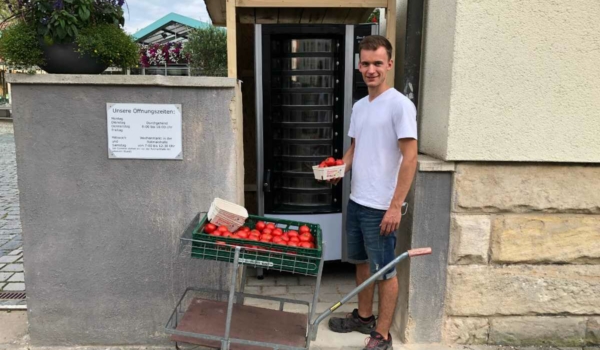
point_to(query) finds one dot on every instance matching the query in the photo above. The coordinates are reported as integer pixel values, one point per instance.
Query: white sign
(144, 131)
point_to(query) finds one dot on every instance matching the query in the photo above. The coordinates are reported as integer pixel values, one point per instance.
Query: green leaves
(110, 43)
(19, 45)
(62, 21)
(207, 48)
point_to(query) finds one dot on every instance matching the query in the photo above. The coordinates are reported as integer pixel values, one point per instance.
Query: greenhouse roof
(171, 28)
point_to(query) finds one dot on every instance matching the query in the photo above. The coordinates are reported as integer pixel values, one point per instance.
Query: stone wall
(524, 255)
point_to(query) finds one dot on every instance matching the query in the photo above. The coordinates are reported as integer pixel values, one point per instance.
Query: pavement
(12, 277)
(13, 336)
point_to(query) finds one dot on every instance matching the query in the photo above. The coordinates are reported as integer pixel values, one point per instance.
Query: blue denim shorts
(364, 241)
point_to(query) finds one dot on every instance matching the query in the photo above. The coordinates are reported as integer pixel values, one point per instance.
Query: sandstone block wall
(524, 255)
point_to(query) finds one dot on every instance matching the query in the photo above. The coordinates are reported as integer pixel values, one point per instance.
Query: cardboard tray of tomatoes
(265, 253)
(329, 169)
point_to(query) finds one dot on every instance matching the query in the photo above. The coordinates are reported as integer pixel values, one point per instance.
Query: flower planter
(64, 59)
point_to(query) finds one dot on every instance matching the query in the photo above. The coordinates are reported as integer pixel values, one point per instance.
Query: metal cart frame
(237, 297)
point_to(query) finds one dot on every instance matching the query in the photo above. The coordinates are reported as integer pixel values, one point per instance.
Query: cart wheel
(260, 273)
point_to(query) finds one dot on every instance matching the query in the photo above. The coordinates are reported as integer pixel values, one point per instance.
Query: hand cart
(219, 319)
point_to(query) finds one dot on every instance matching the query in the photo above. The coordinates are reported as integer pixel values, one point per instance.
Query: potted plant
(67, 36)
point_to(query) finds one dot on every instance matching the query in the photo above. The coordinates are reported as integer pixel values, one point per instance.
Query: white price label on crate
(255, 262)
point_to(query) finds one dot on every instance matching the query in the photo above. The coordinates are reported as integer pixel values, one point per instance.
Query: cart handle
(411, 253)
(419, 251)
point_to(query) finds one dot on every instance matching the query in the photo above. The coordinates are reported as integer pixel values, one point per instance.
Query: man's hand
(334, 181)
(391, 221)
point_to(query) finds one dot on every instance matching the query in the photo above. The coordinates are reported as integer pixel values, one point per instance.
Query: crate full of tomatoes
(271, 243)
(330, 168)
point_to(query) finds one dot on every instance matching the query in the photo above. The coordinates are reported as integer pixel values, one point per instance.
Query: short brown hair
(373, 42)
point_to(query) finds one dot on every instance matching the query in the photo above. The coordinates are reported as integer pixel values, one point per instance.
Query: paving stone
(252, 289)
(272, 290)
(328, 289)
(12, 245)
(300, 289)
(14, 287)
(17, 277)
(267, 281)
(296, 308)
(4, 276)
(16, 252)
(330, 297)
(287, 281)
(9, 259)
(303, 297)
(12, 268)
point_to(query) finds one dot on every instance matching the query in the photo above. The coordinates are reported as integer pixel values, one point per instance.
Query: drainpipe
(412, 54)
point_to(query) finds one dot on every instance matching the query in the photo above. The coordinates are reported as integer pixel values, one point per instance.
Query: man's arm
(391, 220)
(348, 156)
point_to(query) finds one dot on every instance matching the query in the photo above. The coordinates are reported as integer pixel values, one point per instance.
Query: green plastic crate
(284, 258)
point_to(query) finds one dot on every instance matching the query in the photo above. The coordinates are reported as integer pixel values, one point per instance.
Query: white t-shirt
(376, 127)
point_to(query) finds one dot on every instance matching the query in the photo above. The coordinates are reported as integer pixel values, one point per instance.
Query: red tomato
(294, 239)
(285, 238)
(293, 234)
(304, 229)
(305, 237)
(245, 228)
(277, 232)
(330, 161)
(267, 231)
(271, 226)
(223, 228)
(266, 237)
(253, 238)
(260, 226)
(233, 235)
(292, 244)
(277, 240)
(265, 240)
(339, 162)
(226, 234)
(312, 245)
(255, 233)
(305, 245)
(209, 228)
(242, 234)
(217, 233)
(323, 165)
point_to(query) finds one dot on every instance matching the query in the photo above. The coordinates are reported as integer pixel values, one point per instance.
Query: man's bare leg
(388, 296)
(365, 298)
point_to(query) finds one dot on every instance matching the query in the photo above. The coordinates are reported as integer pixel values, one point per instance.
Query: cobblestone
(11, 243)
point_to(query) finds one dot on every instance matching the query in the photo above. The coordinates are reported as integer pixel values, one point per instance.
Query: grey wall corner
(422, 281)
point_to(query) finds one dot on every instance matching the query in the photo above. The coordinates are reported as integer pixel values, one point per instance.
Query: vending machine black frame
(269, 33)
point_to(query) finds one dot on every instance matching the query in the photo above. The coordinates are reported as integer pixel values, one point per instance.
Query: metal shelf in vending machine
(306, 83)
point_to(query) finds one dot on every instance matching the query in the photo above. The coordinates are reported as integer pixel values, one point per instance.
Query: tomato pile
(266, 233)
(331, 162)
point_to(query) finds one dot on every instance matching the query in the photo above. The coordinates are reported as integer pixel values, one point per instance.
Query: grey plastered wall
(422, 280)
(101, 235)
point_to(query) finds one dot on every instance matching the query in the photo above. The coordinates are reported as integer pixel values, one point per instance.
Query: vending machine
(307, 80)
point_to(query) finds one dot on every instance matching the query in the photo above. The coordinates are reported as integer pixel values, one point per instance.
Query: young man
(383, 159)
